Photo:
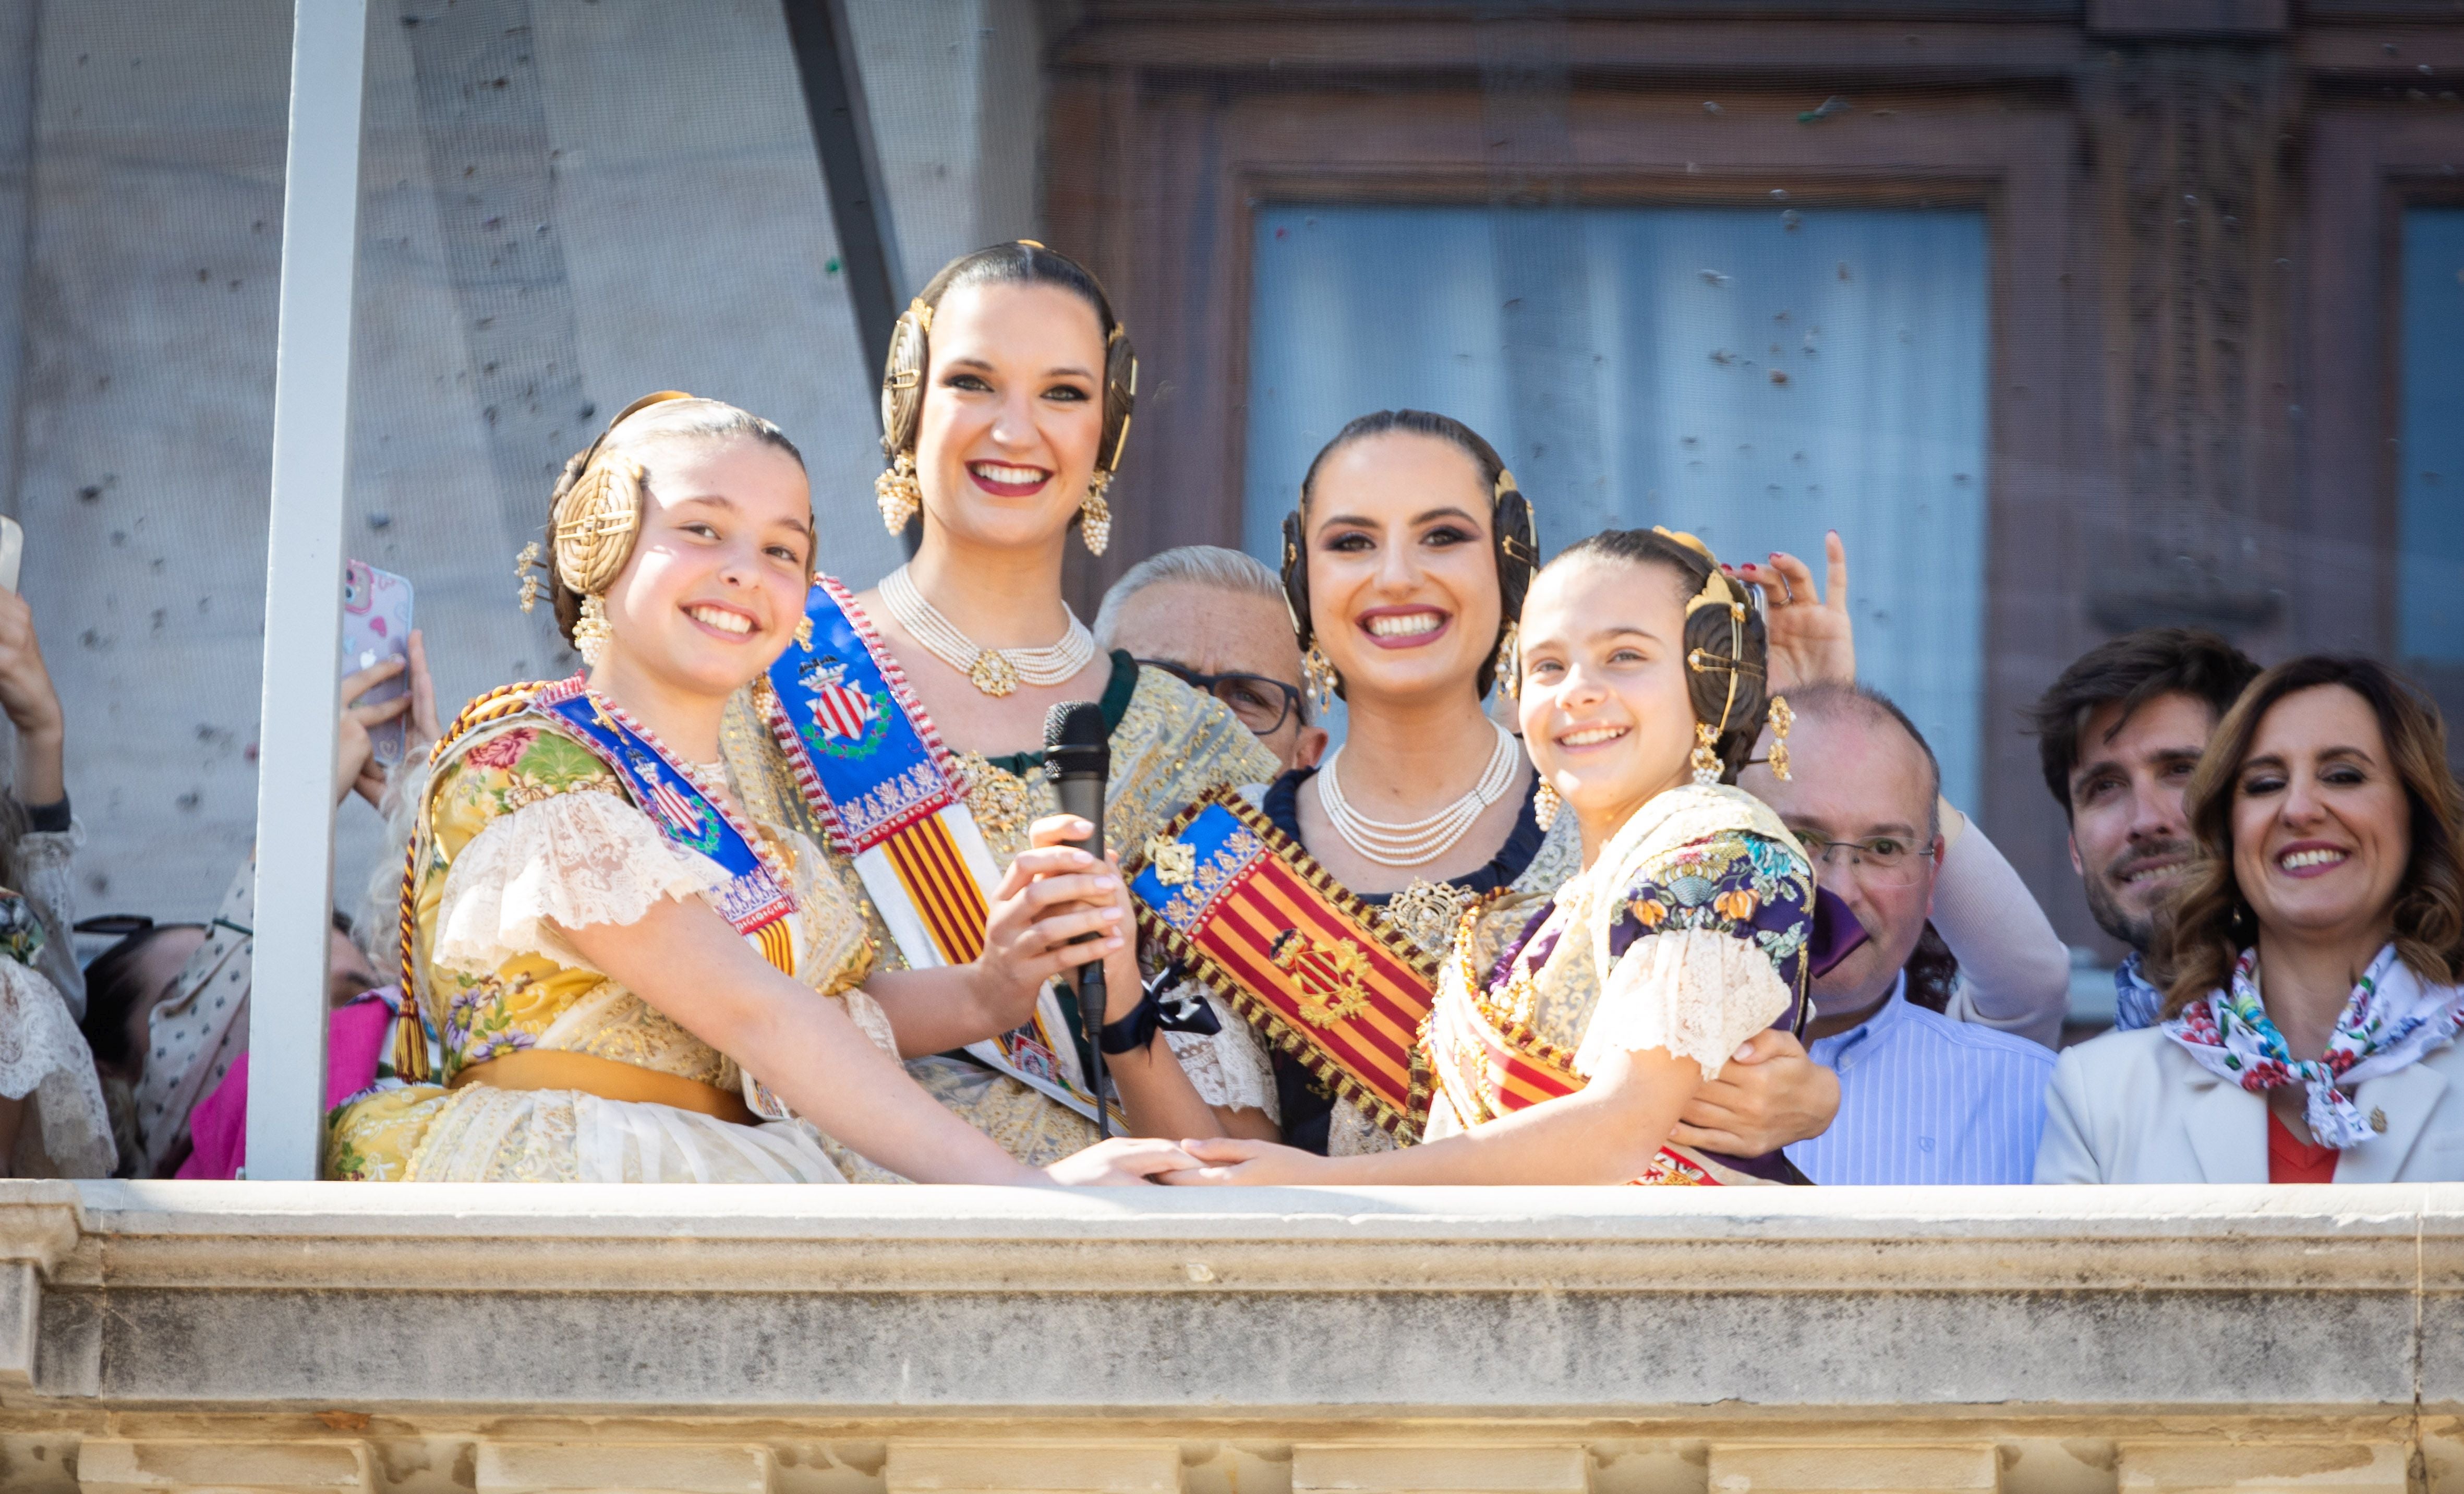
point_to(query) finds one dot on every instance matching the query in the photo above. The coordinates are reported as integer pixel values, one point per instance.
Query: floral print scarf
(2392, 1020)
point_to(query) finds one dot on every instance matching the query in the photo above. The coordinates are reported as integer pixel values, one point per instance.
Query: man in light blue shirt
(1922, 1098)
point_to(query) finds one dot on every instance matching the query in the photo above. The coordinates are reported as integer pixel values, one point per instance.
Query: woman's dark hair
(908, 368)
(111, 993)
(1514, 543)
(2212, 921)
(1721, 646)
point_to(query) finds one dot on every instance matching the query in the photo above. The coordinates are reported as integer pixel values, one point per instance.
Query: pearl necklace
(1419, 840)
(995, 671)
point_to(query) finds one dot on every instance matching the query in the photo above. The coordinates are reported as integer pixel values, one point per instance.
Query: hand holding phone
(376, 627)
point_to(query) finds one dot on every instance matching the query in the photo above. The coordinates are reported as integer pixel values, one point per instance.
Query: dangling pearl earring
(1544, 805)
(1510, 662)
(899, 493)
(1705, 757)
(1094, 515)
(591, 632)
(1318, 676)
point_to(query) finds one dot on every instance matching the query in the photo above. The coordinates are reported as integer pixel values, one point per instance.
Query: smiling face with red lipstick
(1013, 415)
(2329, 825)
(2322, 831)
(715, 583)
(1403, 573)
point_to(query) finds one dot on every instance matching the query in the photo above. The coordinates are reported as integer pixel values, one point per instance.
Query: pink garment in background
(218, 1127)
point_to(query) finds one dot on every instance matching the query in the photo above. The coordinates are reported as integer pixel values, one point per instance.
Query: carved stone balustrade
(169, 1337)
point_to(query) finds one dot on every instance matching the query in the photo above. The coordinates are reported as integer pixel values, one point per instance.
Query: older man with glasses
(1217, 619)
(1924, 1098)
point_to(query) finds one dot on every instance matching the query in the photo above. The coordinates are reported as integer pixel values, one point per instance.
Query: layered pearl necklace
(1419, 840)
(995, 671)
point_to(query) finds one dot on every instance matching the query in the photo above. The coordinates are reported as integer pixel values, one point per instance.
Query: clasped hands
(1768, 1095)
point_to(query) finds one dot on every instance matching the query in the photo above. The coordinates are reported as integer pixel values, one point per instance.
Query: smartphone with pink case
(376, 626)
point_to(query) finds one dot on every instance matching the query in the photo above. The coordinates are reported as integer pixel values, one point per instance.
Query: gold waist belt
(531, 1069)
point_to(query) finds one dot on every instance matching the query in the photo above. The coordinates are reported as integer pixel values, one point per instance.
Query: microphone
(1078, 758)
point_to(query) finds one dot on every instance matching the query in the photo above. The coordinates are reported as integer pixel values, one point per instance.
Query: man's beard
(2138, 929)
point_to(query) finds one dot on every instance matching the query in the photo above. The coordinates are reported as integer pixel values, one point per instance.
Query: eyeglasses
(1885, 860)
(1263, 704)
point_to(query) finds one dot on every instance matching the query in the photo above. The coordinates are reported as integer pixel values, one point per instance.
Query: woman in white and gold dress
(622, 963)
(1006, 404)
(1572, 1033)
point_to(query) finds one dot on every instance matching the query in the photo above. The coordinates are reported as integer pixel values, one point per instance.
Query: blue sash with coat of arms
(752, 902)
(892, 799)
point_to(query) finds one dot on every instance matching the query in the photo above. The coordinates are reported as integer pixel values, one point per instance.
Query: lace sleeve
(1696, 993)
(577, 859)
(1227, 1069)
(43, 867)
(1702, 950)
(42, 1055)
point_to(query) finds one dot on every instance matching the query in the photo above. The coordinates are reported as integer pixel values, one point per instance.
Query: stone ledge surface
(1258, 1308)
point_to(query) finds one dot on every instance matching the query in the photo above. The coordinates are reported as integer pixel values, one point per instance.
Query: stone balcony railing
(481, 1340)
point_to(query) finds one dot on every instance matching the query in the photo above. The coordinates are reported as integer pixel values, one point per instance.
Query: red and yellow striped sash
(1488, 1064)
(1294, 953)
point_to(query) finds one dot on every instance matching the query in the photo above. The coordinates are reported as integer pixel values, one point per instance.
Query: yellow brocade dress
(523, 829)
(1689, 935)
(1169, 744)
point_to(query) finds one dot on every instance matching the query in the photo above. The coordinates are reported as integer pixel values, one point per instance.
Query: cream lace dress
(44, 1059)
(524, 831)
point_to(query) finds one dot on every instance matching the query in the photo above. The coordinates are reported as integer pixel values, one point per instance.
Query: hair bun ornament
(599, 509)
(1689, 543)
(595, 523)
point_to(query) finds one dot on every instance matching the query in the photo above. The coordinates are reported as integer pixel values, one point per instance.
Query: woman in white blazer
(2311, 969)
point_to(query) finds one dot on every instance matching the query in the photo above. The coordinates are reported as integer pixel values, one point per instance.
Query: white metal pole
(303, 591)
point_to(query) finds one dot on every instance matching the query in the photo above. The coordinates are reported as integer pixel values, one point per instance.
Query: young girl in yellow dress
(1570, 1032)
(623, 962)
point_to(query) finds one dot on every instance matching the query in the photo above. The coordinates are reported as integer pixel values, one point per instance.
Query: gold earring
(899, 493)
(591, 632)
(1318, 676)
(1510, 662)
(1094, 515)
(523, 562)
(1544, 805)
(1706, 758)
(804, 635)
(1781, 719)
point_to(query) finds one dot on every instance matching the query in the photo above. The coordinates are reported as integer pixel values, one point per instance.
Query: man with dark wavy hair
(2119, 733)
